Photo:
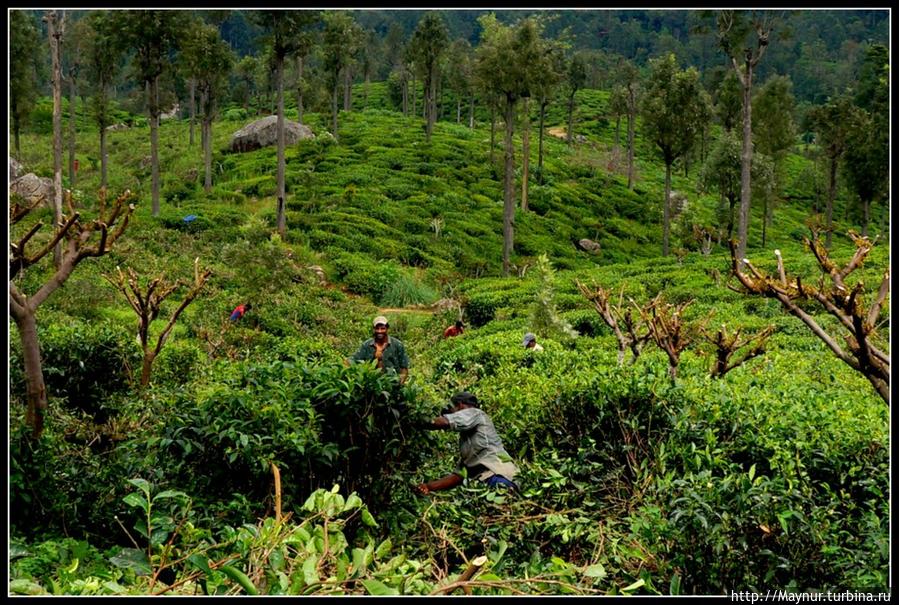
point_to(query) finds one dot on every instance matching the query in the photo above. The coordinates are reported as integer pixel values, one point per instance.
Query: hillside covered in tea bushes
(256, 462)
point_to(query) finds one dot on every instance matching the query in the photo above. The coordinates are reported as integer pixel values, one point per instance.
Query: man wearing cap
(530, 342)
(482, 451)
(388, 351)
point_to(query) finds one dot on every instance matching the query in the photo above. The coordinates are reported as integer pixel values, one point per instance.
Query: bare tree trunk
(207, 152)
(73, 174)
(300, 89)
(525, 152)
(666, 210)
(631, 122)
(192, 83)
(831, 194)
(492, 131)
(508, 188)
(569, 134)
(866, 216)
(543, 104)
(103, 158)
(347, 86)
(154, 141)
(334, 107)
(282, 214)
(35, 388)
(745, 164)
(55, 32)
(405, 84)
(459, 110)
(414, 94)
(471, 111)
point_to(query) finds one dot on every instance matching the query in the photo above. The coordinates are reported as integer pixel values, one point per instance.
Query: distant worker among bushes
(530, 342)
(454, 330)
(389, 352)
(482, 453)
(240, 310)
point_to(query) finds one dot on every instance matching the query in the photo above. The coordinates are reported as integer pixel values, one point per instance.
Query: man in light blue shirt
(482, 452)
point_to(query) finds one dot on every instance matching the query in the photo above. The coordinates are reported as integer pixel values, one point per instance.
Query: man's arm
(404, 373)
(438, 424)
(437, 485)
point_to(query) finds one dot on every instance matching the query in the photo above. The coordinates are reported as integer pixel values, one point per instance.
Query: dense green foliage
(775, 475)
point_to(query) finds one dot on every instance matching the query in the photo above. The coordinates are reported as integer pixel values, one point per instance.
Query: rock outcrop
(264, 132)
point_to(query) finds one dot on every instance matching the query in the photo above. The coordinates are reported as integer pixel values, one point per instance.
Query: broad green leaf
(134, 559)
(114, 587)
(136, 500)
(23, 586)
(358, 561)
(310, 574)
(383, 548)
(169, 493)
(634, 586)
(374, 587)
(354, 501)
(674, 587)
(595, 571)
(368, 519)
(141, 484)
(200, 562)
(751, 472)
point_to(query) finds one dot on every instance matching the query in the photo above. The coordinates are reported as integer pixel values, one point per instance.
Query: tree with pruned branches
(858, 321)
(79, 240)
(147, 304)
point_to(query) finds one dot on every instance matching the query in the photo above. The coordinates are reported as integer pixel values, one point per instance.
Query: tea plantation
(256, 462)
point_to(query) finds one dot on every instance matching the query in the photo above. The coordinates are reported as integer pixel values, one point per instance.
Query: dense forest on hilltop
(690, 209)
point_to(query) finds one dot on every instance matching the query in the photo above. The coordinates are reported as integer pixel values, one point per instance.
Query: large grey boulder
(15, 169)
(33, 189)
(264, 132)
(588, 245)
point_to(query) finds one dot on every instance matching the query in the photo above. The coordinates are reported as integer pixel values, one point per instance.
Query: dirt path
(557, 131)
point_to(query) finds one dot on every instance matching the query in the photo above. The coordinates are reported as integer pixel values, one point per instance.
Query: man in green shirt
(482, 452)
(388, 351)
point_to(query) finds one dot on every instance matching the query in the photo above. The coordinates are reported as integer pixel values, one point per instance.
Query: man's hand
(422, 489)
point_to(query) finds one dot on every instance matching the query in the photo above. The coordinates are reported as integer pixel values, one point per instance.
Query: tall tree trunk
(428, 104)
(543, 103)
(492, 132)
(154, 141)
(207, 152)
(866, 216)
(471, 111)
(569, 135)
(300, 89)
(16, 127)
(666, 210)
(508, 188)
(334, 106)
(73, 174)
(103, 157)
(617, 131)
(405, 85)
(192, 84)
(414, 95)
(459, 110)
(365, 91)
(631, 121)
(35, 388)
(525, 152)
(282, 214)
(347, 86)
(55, 30)
(745, 167)
(831, 194)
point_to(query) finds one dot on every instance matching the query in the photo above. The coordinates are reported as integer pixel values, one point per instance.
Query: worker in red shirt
(454, 330)
(240, 310)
